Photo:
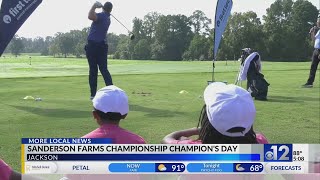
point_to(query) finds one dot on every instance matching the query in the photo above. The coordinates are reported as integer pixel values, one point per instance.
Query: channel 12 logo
(278, 152)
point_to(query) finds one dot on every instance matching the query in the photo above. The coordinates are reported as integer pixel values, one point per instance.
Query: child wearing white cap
(226, 118)
(110, 106)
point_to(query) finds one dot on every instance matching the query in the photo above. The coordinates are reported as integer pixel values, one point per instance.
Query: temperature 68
(256, 168)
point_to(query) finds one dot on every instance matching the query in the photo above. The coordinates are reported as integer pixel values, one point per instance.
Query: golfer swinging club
(97, 47)
(315, 36)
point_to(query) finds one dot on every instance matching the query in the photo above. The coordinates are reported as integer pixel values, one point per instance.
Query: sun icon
(162, 167)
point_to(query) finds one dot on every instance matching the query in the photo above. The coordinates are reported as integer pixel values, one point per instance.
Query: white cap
(229, 106)
(111, 99)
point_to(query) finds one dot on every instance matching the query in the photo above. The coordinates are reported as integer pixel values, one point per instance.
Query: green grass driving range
(292, 114)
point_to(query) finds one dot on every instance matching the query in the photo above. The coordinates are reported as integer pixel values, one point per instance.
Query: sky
(54, 16)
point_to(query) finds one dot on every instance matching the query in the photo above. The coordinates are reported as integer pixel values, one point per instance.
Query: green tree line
(282, 34)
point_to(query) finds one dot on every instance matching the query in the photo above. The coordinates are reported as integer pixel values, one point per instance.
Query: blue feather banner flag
(13, 14)
(223, 11)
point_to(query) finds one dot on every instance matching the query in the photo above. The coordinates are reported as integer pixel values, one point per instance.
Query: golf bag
(251, 70)
(256, 83)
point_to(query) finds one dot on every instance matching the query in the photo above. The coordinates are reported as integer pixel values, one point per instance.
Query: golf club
(130, 33)
(314, 28)
(311, 23)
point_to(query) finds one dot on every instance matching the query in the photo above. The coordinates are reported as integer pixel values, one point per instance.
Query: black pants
(97, 55)
(314, 66)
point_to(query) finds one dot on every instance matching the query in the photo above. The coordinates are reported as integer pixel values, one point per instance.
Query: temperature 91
(178, 167)
(170, 167)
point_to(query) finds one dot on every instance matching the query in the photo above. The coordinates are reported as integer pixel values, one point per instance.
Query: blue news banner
(176, 162)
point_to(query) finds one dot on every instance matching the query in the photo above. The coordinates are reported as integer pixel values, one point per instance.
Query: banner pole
(223, 10)
(213, 66)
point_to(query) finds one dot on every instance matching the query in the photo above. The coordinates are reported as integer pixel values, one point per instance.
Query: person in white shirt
(315, 36)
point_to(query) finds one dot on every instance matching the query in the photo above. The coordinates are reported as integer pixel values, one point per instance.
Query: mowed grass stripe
(156, 107)
(52, 67)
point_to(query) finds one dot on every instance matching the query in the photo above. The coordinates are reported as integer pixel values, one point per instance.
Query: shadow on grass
(56, 113)
(287, 99)
(152, 112)
(67, 113)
